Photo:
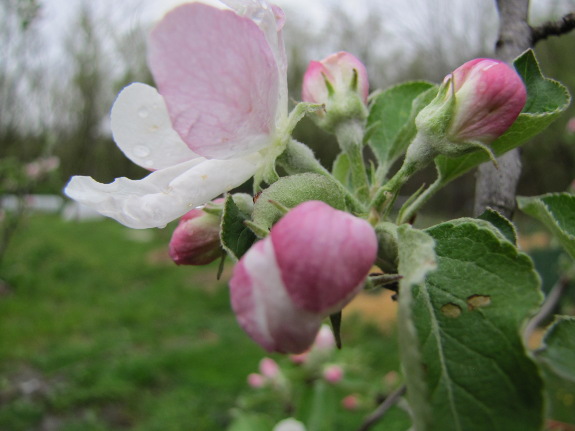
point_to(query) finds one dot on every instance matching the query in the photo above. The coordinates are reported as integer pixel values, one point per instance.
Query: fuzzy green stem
(419, 155)
(350, 139)
(405, 214)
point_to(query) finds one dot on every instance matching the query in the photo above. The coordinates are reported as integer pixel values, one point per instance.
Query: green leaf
(467, 317)
(558, 359)
(503, 225)
(557, 212)
(546, 99)
(416, 259)
(558, 352)
(389, 114)
(235, 236)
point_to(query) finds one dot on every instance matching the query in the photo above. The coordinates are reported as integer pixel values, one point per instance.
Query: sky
(440, 29)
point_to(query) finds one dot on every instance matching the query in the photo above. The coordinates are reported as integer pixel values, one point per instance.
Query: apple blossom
(218, 114)
(312, 263)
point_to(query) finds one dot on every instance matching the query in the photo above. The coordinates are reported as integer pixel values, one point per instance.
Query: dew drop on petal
(143, 112)
(141, 151)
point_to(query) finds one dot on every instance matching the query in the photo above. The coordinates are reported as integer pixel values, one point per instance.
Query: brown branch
(554, 28)
(495, 187)
(389, 402)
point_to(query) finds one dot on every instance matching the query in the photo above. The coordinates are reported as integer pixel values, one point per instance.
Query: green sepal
(235, 236)
(293, 190)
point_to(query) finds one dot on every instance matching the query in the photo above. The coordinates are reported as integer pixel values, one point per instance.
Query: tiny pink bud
(341, 71)
(196, 239)
(351, 402)
(299, 358)
(256, 380)
(324, 339)
(571, 125)
(333, 373)
(282, 289)
(391, 378)
(269, 368)
(489, 95)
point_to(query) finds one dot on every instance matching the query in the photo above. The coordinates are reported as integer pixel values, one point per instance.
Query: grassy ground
(99, 330)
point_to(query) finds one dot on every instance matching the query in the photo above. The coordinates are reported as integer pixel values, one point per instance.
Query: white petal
(164, 195)
(143, 131)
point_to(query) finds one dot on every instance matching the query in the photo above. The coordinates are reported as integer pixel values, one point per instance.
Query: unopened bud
(339, 82)
(196, 239)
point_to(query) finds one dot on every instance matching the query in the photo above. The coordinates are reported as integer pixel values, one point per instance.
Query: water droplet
(141, 151)
(143, 112)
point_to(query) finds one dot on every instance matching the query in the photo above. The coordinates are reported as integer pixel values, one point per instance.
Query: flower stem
(350, 138)
(406, 213)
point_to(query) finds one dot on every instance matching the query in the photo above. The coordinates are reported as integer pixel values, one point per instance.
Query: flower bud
(333, 374)
(256, 380)
(351, 402)
(289, 424)
(339, 82)
(196, 239)
(313, 262)
(269, 368)
(475, 105)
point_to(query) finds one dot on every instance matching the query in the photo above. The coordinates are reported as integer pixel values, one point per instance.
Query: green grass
(99, 330)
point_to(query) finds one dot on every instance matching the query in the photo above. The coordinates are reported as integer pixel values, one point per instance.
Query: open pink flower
(313, 262)
(222, 94)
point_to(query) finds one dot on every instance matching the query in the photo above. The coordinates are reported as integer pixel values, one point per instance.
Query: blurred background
(98, 329)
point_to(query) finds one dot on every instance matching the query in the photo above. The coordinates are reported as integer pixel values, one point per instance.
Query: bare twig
(378, 413)
(554, 28)
(495, 187)
(551, 300)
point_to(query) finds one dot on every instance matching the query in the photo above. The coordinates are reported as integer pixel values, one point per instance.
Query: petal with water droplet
(142, 129)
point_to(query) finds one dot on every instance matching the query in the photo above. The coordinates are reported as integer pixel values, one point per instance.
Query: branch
(556, 28)
(389, 402)
(495, 187)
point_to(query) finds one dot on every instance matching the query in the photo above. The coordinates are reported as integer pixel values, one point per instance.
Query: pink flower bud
(324, 339)
(571, 125)
(333, 373)
(351, 402)
(489, 95)
(313, 262)
(256, 380)
(269, 368)
(341, 71)
(196, 239)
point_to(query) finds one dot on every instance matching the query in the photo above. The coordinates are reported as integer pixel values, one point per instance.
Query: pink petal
(262, 306)
(323, 255)
(219, 79)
